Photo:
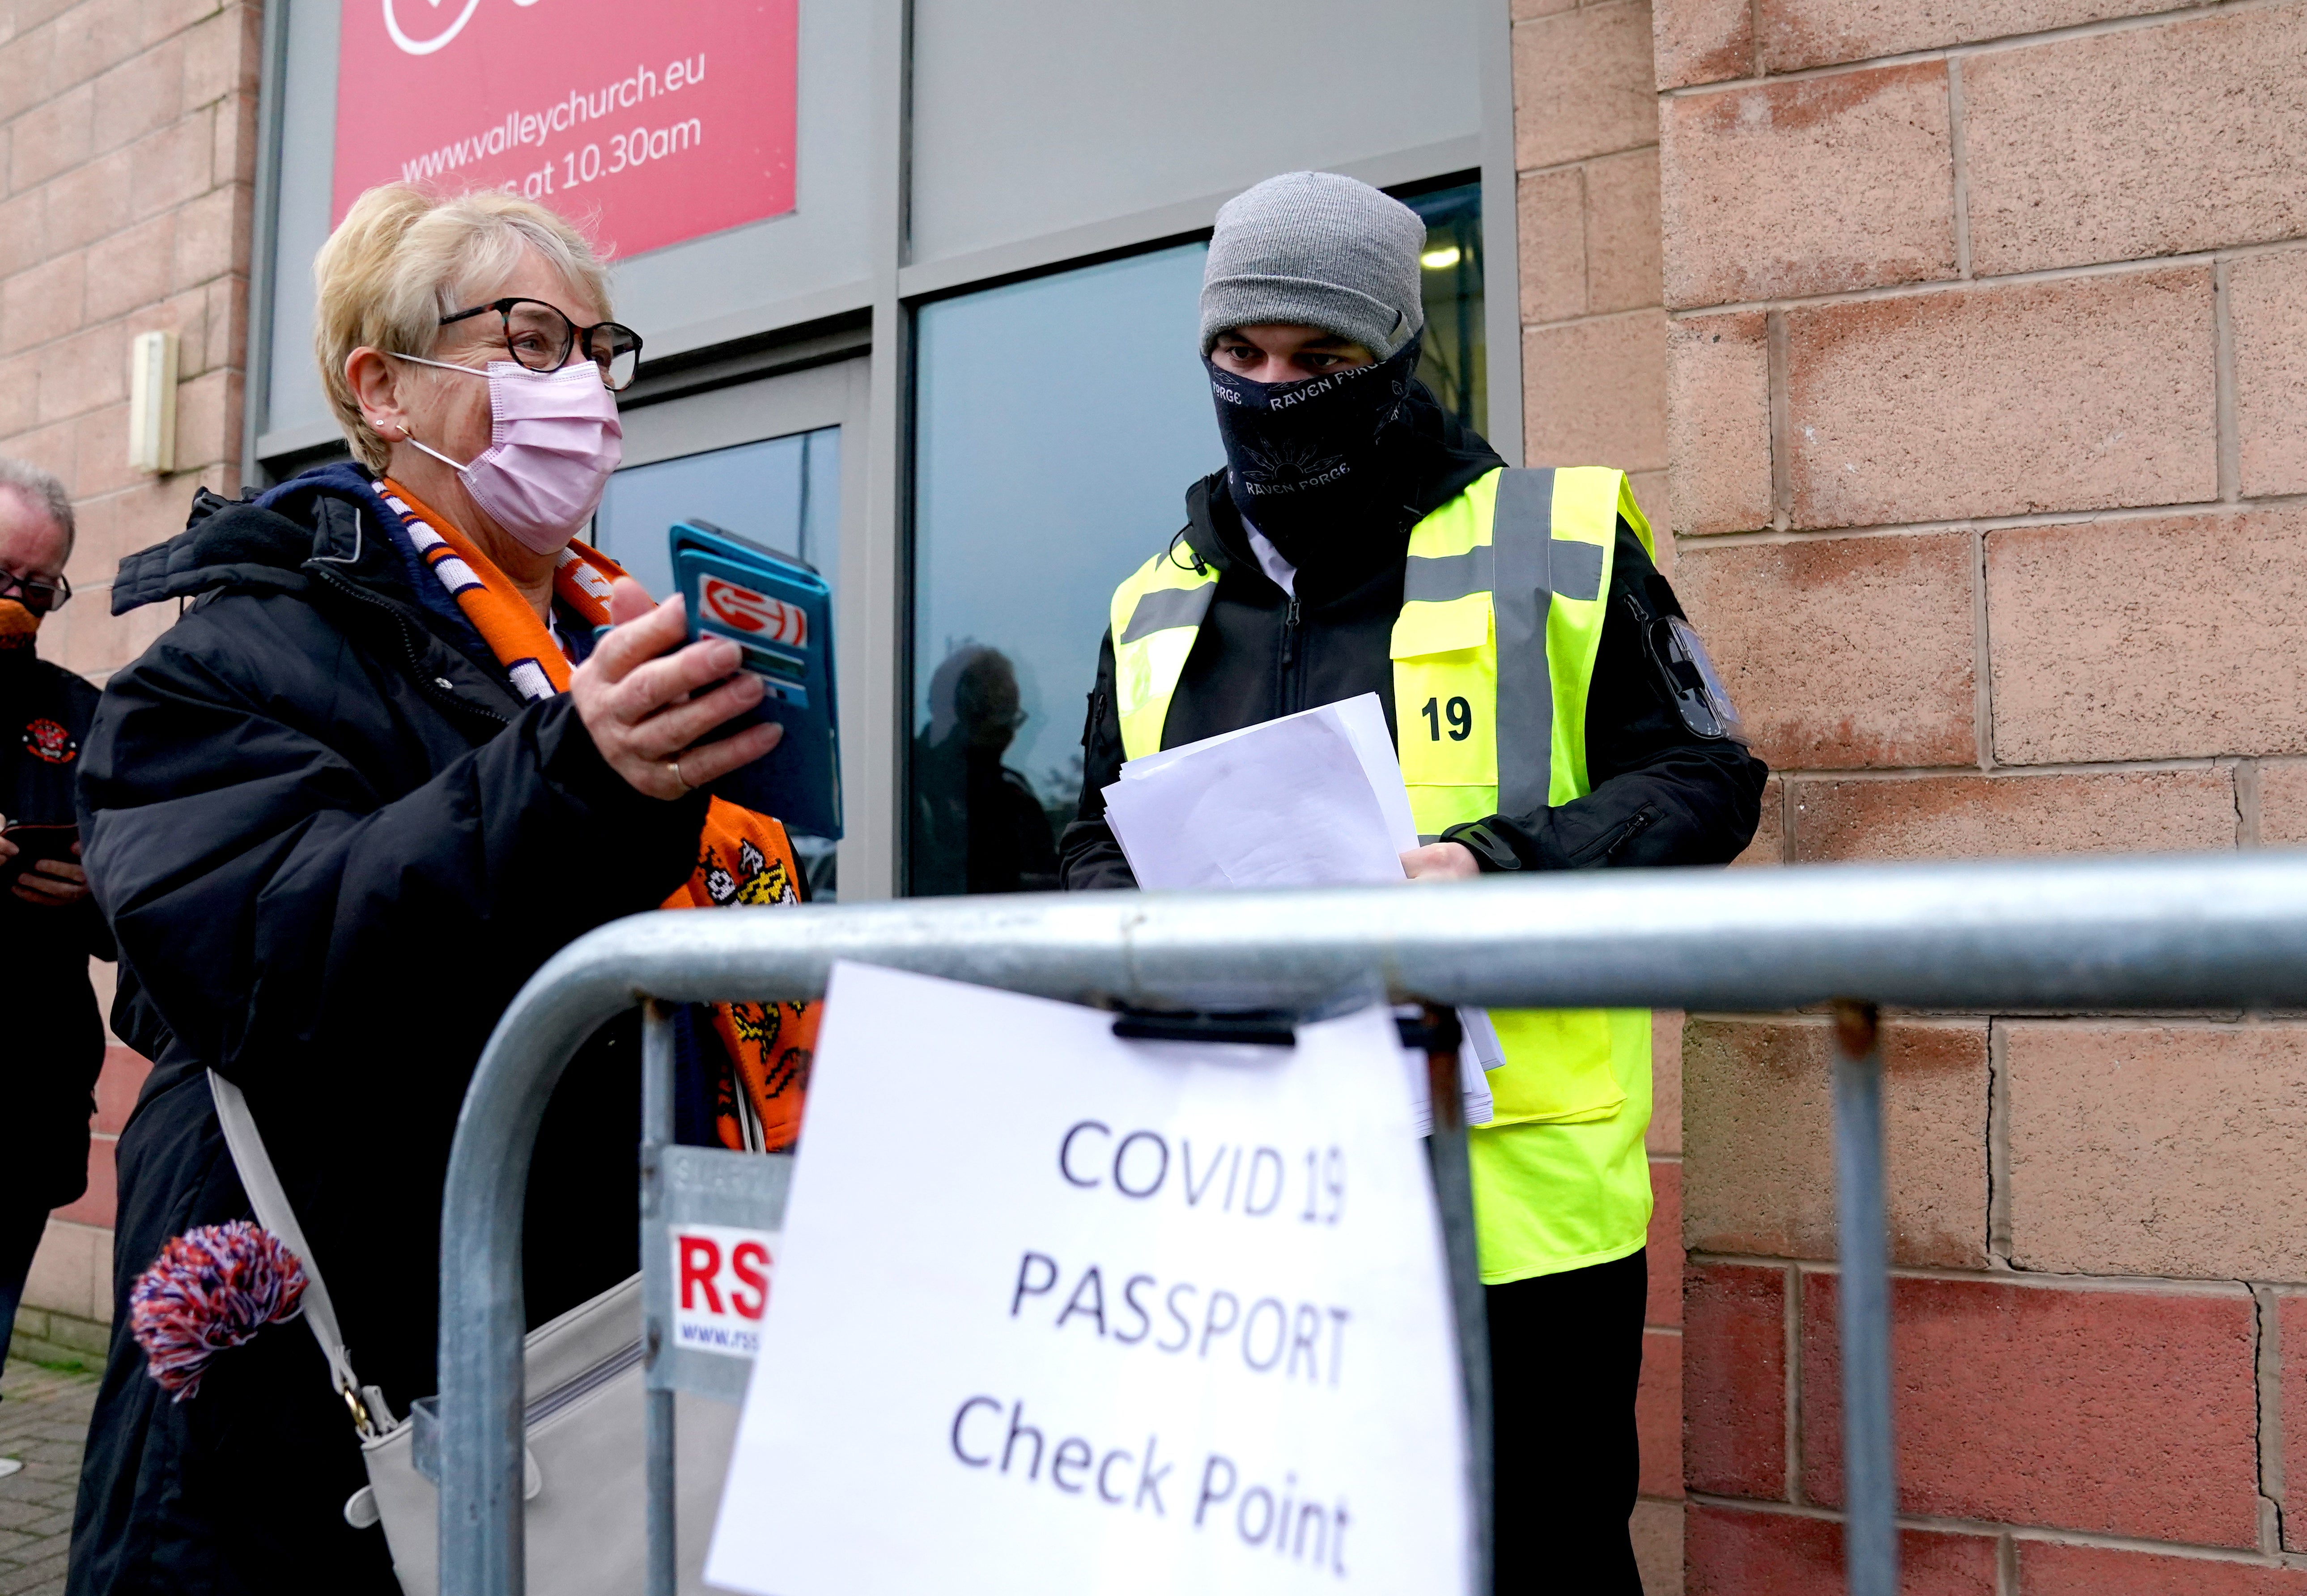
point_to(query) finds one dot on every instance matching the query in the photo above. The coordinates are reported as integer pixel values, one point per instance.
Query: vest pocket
(1557, 1067)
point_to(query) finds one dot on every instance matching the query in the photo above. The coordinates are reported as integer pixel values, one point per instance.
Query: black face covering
(1317, 465)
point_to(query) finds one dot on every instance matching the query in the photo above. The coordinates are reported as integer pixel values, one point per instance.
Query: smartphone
(780, 612)
(34, 844)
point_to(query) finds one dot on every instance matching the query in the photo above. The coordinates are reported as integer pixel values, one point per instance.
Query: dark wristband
(1488, 848)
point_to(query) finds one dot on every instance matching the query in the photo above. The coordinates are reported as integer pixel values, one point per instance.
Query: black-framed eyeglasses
(540, 337)
(34, 594)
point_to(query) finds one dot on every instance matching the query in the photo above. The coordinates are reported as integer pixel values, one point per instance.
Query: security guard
(1553, 710)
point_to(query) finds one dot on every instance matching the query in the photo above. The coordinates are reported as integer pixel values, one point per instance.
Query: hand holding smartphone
(780, 612)
(33, 843)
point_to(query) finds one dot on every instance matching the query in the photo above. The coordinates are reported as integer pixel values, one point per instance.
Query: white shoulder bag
(584, 1485)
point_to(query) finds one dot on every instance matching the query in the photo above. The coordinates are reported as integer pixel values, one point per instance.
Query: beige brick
(213, 235)
(83, 372)
(31, 13)
(25, 80)
(1550, 221)
(1703, 41)
(1799, 33)
(1656, 1528)
(2158, 1149)
(1717, 421)
(185, 314)
(1597, 392)
(1622, 232)
(1846, 653)
(50, 448)
(225, 321)
(2267, 307)
(20, 395)
(2283, 804)
(208, 419)
(71, 1272)
(91, 37)
(41, 304)
(51, 137)
(2076, 394)
(156, 20)
(101, 448)
(1523, 10)
(173, 166)
(1582, 84)
(87, 202)
(2145, 141)
(141, 94)
(23, 235)
(2165, 639)
(234, 159)
(1976, 816)
(131, 268)
(1808, 187)
(1770, 844)
(1758, 1164)
(221, 55)
(1665, 1133)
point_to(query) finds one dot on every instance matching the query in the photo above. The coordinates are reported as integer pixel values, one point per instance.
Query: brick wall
(1984, 328)
(127, 156)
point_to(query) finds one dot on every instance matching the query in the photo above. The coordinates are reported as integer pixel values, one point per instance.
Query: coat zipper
(1634, 827)
(445, 697)
(1289, 694)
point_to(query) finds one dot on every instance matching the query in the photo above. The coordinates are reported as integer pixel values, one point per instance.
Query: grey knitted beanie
(1316, 248)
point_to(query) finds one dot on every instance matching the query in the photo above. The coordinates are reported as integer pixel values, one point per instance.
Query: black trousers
(1565, 1358)
(23, 1221)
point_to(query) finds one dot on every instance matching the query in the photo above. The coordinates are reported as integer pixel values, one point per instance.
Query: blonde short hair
(402, 259)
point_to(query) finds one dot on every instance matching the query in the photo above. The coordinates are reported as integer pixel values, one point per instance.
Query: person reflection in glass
(977, 825)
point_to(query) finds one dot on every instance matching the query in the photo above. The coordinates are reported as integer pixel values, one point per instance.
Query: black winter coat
(332, 842)
(1660, 796)
(54, 1036)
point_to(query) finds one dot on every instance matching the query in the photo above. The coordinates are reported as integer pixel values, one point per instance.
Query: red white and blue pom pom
(211, 1289)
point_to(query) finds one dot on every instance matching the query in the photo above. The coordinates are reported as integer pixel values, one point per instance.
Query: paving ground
(43, 1417)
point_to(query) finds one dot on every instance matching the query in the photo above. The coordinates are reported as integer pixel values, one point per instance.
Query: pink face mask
(554, 440)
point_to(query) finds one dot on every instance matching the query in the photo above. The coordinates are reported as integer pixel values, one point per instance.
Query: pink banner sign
(645, 124)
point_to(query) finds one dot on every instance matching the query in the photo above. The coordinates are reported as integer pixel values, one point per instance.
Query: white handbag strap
(262, 1183)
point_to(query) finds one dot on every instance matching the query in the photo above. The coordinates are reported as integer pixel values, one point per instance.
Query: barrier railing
(2228, 931)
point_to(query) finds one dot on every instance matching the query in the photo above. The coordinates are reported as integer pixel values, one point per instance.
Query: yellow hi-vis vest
(1503, 603)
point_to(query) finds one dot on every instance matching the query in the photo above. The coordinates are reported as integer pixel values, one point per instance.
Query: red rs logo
(748, 610)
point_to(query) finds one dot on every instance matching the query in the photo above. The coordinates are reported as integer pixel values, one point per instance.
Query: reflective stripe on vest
(1504, 598)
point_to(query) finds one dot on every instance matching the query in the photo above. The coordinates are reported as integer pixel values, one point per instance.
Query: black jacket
(54, 1044)
(1661, 795)
(332, 842)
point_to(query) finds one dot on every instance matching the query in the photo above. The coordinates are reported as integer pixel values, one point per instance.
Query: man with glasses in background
(52, 1043)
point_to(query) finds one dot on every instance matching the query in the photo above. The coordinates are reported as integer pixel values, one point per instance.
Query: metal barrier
(2228, 931)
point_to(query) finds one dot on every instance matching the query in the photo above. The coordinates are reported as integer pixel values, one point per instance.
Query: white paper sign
(1057, 1312)
(721, 1287)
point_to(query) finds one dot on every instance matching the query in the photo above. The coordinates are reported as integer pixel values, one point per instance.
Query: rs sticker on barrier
(721, 1287)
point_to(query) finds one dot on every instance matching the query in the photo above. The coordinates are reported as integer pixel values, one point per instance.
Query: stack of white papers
(1314, 799)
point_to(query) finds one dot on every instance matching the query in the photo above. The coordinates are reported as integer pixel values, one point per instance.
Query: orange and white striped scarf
(743, 857)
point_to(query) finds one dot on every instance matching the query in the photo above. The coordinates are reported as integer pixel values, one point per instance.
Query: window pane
(1059, 424)
(1453, 363)
(785, 493)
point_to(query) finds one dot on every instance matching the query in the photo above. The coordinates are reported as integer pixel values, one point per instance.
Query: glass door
(762, 459)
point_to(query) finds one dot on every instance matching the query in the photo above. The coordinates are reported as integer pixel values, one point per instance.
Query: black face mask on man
(1315, 464)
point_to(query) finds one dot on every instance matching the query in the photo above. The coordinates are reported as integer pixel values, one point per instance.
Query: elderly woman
(376, 775)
